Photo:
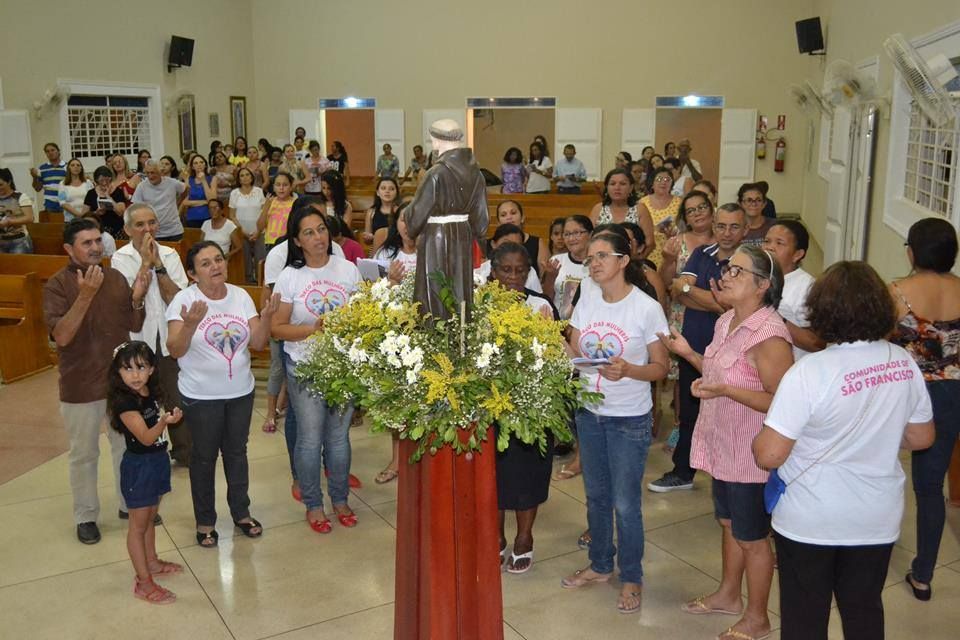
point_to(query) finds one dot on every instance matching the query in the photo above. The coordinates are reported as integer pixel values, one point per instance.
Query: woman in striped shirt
(750, 352)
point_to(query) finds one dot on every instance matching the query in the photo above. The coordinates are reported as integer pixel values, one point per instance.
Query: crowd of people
(794, 394)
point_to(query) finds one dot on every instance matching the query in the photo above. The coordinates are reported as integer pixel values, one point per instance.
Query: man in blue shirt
(694, 289)
(569, 172)
(49, 177)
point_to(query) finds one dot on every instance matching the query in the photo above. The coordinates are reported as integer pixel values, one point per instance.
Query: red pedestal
(448, 541)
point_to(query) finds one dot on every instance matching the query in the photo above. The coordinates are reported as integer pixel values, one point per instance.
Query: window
(931, 163)
(98, 125)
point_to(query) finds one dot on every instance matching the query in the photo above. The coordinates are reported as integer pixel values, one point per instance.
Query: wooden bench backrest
(43, 265)
(19, 295)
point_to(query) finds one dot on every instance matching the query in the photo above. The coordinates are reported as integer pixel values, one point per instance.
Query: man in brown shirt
(89, 310)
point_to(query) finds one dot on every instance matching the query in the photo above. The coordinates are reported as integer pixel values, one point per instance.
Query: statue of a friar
(447, 213)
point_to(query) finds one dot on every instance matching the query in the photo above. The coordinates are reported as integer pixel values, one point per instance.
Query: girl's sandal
(156, 594)
(347, 519)
(164, 568)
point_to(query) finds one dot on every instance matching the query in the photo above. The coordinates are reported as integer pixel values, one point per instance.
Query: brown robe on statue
(453, 186)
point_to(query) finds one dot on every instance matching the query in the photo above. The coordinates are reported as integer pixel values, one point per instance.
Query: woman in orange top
(276, 210)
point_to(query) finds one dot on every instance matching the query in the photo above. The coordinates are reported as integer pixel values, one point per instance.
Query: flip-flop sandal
(584, 541)
(576, 580)
(269, 426)
(566, 474)
(626, 610)
(514, 558)
(697, 607)
(731, 634)
(387, 475)
(167, 569)
(157, 595)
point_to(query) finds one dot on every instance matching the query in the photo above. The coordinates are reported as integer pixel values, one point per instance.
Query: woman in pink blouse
(750, 352)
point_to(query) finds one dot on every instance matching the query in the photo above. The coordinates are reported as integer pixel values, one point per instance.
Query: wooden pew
(24, 344)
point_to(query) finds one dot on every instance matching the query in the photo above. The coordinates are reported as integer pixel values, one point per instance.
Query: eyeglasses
(734, 271)
(601, 256)
(574, 234)
(723, 228)
(703, 206)
(753, 201)
(663, 179)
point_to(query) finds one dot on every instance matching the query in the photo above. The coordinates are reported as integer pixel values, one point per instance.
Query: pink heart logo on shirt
(227, 340)
(593, 345)
(318, 301)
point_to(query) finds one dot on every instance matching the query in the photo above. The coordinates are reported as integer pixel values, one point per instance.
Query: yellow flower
(497, 403)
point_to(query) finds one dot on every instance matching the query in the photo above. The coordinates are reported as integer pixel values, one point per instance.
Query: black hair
(638, 235)
(215, 146)
(103, 172)
(139, 161)
(128, 353)
(7, 176)
(217, 200)
(515, 203)
(934, 244)
(377, 202)
(338, 146)
(801, 237)
(585, 222)
(285, 175)
(504, 230)
(313, 144)
(418, 146)
(267, 147)
(556, 222)
(542, 139)
(508, 249)
(627, 156)
(192, 253)
(510, 151)
(631, 197)
(750, 186)
(543, 152)
(667, 146)
(570, 146)
(174, 171)
(633, 273)
(683, 204)
(394, 241)
(335, 227)
(75, 226)
(51, 144)
(644, 150)
(338, 192)
(237, 139)
(295, 257)
(673, 162)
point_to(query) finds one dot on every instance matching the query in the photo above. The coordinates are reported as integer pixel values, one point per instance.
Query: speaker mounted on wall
(181, 53)
(810, 37)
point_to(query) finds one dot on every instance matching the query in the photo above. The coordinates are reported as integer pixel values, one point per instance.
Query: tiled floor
(294, 584)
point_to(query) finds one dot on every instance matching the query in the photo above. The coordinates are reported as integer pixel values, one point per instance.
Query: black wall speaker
(181, 53)
(810, 36)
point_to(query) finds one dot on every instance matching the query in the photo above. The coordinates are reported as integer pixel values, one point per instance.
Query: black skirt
(523, 475)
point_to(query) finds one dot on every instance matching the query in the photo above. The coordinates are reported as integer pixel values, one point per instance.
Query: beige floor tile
(97, 603)
(370, 454)
(292, 577)
(949, 543)
(387, 511)
(38, 539)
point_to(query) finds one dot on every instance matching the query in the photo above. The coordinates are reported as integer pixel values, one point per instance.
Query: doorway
(701, 126)
(355, 129)
(494, 130)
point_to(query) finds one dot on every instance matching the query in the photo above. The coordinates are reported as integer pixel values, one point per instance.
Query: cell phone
(665, 224)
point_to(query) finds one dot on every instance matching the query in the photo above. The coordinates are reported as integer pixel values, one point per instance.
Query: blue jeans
(929, 468)
(290, 421)
(17, 245)
(613, 453)
(323, 435)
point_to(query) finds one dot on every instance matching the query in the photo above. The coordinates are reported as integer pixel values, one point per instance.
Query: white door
(16, 153)
(309, 119)
(638, 130)
(583, 129)
(388, 129)
(737, 151)
(432, 115)
(838, 189)
(858, 211)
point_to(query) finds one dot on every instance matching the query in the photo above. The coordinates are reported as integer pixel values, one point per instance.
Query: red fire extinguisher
(779, 155)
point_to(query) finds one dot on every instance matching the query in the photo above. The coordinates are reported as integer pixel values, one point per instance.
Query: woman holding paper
(622, 323)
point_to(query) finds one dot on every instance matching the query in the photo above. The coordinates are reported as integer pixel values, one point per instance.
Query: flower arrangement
(444, 383)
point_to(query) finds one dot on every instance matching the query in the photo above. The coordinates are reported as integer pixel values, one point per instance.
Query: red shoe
(352, 480)
(295, 492)
(347, 519)
(321, 526)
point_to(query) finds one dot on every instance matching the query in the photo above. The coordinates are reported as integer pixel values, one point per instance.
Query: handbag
(777, 486)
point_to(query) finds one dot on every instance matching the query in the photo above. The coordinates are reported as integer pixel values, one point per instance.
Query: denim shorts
(742, 504)
(144, 477)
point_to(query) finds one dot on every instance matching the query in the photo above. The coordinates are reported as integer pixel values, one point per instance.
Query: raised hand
(676, 343)
(141, 284)
(671, 248)
(270, 308)
(551, 269)
(396, 272)
(90, 281)
(196, 312)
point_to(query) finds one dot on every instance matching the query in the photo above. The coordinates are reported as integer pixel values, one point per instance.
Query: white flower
(403, 341)
(477, 279)
(381, 290)
(483, 361)
(393, 361)
(411, 376)
(538, 348)
(357, 355)
(395, 306)
(412, 357)
(538, 364)
(339, 344)
(488, 349)
(389, 344)
(519, 356)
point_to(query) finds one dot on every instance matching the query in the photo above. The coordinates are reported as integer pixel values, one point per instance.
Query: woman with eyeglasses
(620, 324)
(742, 367)
(752, 199)
(662, 208)
(563, 272)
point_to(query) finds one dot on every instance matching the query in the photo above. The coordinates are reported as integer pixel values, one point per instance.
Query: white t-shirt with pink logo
(313, 292)
(217, 363)
(622, 329)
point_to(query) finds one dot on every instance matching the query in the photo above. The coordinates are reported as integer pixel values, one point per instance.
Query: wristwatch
(160, 271)
(686, 287)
